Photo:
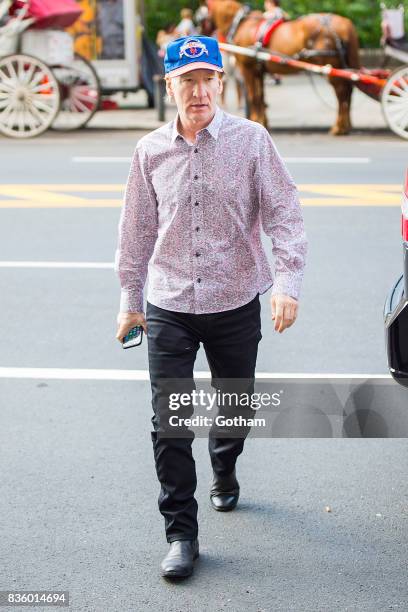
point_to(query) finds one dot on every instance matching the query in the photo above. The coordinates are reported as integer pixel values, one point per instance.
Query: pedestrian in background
(164, 37)
(186, 26)
(273, 10)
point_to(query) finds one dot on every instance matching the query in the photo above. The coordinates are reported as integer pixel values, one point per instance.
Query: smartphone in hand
(133, 337)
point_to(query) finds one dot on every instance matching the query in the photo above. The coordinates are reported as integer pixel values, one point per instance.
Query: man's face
(195, 94)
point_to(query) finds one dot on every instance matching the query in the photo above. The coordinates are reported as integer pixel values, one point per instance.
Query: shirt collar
(212, 128)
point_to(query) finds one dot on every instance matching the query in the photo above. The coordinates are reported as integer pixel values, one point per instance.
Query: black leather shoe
(224, 492)
(179, 561)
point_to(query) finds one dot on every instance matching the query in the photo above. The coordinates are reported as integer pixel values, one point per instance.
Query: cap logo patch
(193, 48)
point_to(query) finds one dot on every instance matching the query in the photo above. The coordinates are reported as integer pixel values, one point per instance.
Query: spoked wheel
(80, 94)
(394, 101)
(29, 96)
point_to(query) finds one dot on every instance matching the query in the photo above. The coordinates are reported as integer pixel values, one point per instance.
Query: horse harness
(236, 22)
(265, 31)
(339, 52)
(269, 26)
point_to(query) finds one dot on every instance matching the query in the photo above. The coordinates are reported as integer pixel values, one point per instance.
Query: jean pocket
(170, 338)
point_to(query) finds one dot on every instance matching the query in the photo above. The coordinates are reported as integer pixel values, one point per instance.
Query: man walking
(199, 190)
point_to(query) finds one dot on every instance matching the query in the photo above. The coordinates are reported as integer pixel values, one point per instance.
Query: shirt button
(197, 228)
(195, 150)
(198, 280)
(197, 254)
(196, 203)
(196, 177)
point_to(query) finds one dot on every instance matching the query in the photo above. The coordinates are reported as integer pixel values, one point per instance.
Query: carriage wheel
(80, 94)
(394, 102)
(29, 96)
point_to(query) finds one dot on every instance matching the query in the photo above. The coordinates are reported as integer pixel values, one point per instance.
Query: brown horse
(318, 32)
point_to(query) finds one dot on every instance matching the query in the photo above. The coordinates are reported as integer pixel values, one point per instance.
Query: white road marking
(100, 374)
(327, 160)
(289, 160)
(56, 264)
(101, 160)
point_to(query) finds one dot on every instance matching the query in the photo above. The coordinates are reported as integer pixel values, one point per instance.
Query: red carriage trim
(50, 13)
(373, 89)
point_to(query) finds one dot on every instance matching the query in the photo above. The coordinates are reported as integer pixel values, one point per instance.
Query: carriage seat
(393, 28)
(400, 43)
(265, 30)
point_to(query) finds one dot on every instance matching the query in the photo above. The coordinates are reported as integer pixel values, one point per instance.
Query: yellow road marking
(59, 196)
(57, 187)
(351, 186)
(79, 195)
(82, 203)
(352, 195)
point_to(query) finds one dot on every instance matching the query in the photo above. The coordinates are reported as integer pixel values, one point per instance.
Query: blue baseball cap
(192, 53)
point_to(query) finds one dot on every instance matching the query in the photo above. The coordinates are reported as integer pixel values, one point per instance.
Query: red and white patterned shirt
(192, 216)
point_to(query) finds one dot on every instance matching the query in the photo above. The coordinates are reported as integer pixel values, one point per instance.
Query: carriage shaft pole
(326, 70)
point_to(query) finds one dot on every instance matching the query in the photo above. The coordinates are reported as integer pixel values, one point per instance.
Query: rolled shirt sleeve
(281, 218)
(137, 231)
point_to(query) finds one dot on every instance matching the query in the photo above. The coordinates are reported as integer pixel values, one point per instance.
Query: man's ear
(169, 88)
(220, 85)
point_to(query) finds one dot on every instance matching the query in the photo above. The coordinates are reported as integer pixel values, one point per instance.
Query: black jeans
(230, 341)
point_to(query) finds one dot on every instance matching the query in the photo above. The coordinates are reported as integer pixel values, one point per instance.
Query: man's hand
(284, 311)
(127, 320)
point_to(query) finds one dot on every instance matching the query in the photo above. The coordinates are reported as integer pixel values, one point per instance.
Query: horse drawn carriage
(325, 44)
(44, 81)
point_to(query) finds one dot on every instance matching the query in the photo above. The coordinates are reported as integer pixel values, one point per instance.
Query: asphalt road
(79, 504)
(354, 254)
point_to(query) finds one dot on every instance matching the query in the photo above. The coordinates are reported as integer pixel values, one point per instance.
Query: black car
(396, 310)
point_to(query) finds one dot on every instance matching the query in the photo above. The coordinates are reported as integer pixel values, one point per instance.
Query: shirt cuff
(287, 284)
(131, 302)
